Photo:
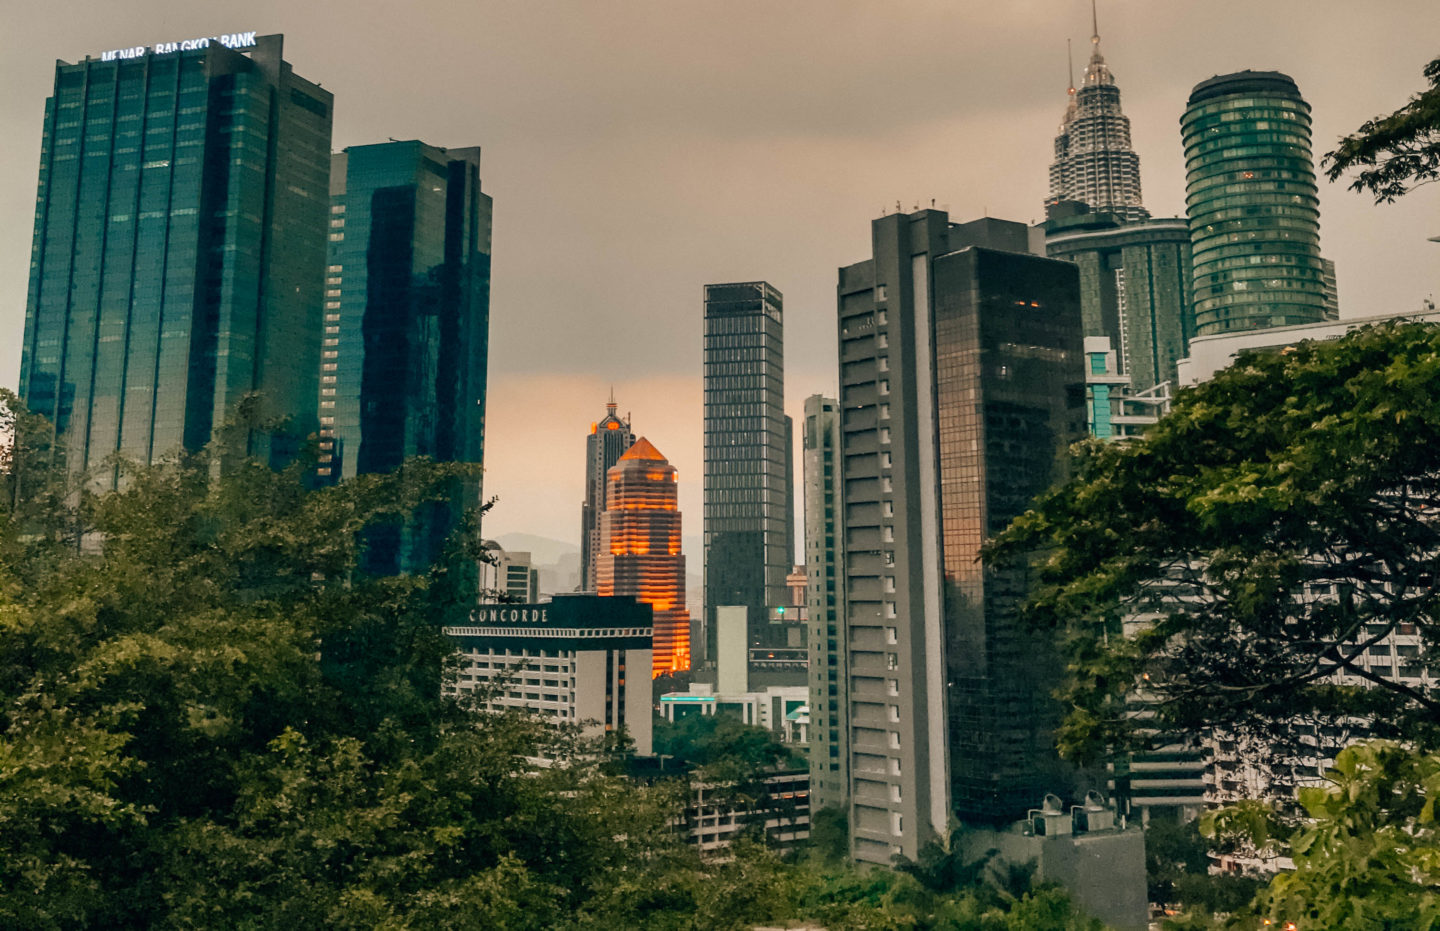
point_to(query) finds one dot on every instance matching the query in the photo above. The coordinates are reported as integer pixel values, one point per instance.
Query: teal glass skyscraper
(1252, 202)
(406, 325)
(179, 249)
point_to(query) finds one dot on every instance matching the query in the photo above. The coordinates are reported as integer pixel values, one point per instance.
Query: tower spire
(611, 403)
(1095, 34)
(1070, 66)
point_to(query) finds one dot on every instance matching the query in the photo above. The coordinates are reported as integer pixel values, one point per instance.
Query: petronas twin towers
(1094, 163)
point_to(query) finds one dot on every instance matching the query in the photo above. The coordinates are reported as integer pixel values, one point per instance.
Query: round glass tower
(1251, 196)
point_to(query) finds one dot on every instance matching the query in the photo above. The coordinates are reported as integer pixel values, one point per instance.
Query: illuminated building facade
(179, 250)
(406, 328)
(749, 510)
(640, 549)
(608, 440)
(1254, 209)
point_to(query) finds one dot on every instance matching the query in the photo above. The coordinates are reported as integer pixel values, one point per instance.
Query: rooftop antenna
(1070, 66)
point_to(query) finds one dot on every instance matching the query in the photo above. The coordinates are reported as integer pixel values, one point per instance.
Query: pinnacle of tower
(610, 404)
(643, 450)
(1097, 72)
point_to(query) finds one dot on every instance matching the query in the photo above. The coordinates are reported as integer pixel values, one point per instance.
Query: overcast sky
(638, 150)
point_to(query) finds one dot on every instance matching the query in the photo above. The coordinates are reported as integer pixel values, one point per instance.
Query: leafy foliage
(1237, 563)
(1369, 858)
(1395, 153)
(212, 719)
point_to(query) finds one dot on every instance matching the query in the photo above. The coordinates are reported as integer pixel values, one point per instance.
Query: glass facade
(607, 442)
(177, 255)
(406, 326)
(1251, 198)
(1135, 283)
(1010, 398)
(749, 518)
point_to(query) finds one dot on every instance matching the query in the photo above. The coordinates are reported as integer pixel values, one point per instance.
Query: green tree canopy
(1237, 562)
(1392, 155)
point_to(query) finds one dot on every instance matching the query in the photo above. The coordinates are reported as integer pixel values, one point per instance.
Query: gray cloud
(637, 149)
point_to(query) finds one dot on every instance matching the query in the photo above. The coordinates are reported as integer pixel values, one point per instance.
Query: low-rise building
(579, 659)
(783, 710)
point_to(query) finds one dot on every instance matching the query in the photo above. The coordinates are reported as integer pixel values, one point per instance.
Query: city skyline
(651, 159)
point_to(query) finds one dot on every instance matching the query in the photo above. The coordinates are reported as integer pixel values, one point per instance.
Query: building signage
(501, 615)
(229, 40)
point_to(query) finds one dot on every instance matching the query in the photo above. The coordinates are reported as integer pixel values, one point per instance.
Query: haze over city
(637, 151)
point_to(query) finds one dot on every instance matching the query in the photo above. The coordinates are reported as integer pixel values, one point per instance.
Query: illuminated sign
(229, 40)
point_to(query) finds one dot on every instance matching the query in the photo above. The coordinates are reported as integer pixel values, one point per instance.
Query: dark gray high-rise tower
(407, 323)
(179, 249)
(749, 515)
(608, 440)
(961, 388)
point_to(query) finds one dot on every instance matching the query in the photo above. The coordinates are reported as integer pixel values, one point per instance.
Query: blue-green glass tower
(1252, 200)
(406, 325)
(179, 250)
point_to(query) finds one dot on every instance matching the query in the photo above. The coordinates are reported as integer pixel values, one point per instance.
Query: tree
(1395, 153)
(213, 720)
(1369, 858)
(1238, 562)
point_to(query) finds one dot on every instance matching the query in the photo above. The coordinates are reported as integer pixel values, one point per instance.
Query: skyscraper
(825, 594)
(640, 549)
(607, 442)
(749, 518)
(1251, 196)
(961, 387)
(407, 321)
(179, 249)
(1135, 283)
(1094, 162)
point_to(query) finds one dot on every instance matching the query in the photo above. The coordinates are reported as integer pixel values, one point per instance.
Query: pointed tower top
(611, 403)
(1095, 56)
(643, 450)
(1070, 67)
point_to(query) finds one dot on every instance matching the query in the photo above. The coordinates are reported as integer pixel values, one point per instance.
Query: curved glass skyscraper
(1251, 196)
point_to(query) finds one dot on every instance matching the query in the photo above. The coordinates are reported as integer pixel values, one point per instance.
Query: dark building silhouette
(609, 438)
(961, 388)
(179, 250)
(749, 510)
(406, 327)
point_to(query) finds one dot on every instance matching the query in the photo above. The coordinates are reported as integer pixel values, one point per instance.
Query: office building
(1113, 409)
(406, 328)
(609, 438)
(961, 388)
(579, 659)
(780, 709)
(179, 250)
(717, 813)
(1210, 354)
(1094, 161)
(824, 536)
(1135, 285)
(749, 514)
(1251, 196)
(640, 549)
(517, 581)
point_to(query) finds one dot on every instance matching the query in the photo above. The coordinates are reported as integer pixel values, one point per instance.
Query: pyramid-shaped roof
(643, 450)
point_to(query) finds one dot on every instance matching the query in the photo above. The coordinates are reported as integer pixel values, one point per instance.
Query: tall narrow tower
(1094, 162)
(609, 438)
(407, 322)
(749, 520)
(640, 549)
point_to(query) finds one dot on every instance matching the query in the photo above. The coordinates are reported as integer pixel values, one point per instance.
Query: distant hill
(542, 550)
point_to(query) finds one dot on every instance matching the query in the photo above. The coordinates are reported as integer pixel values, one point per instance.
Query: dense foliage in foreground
(213, 720)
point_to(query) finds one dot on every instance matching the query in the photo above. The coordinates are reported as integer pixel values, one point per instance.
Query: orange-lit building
(640, 549)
